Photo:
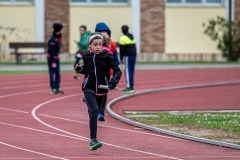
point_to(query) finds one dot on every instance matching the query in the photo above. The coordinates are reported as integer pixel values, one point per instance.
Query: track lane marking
(50, 126)
(29, 92)
(66, 136)
(42, 131)
(77, 137)
(22, 93)
(24, 149)
(107, 126)
(29, 86)
(13, 110)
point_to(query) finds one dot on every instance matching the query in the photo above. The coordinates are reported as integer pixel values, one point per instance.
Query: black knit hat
(125, 29)
(57, 27)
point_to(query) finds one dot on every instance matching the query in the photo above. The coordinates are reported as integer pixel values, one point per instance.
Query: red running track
(37, 125)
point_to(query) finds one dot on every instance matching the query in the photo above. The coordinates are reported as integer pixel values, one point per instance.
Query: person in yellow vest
(128, 55)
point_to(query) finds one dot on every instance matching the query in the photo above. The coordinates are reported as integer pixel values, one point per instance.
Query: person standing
(105, 31)
(96, 70)
(82, 46)
(53, 57)
(105, 47)
(128, 54)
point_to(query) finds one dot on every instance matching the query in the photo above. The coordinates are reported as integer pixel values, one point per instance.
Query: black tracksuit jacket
(96, 69)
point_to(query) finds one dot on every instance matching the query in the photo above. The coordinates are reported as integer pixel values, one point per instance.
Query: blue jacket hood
(101, 26)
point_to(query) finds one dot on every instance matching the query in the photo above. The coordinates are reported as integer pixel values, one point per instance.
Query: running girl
(96, 68)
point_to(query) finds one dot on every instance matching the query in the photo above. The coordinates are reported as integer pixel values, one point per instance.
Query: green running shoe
(95, 144)
(60, 91)
(53, 91)
(128, 90)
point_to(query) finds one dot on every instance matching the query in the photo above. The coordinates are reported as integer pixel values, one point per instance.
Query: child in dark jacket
(54, 45)
(106, 46)
(110, 47)
(96, 69)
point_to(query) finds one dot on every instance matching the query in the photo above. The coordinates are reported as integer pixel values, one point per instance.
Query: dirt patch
(201, 132)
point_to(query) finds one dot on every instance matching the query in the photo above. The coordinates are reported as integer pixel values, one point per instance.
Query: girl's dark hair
(107, 42)
(96, 37)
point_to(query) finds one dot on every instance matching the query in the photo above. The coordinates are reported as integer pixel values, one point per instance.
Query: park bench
(37, 47)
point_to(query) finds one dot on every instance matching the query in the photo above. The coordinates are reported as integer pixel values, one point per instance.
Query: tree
(227, 34)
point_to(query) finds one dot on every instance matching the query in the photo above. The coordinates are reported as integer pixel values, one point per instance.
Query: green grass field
(20, 72)
(224, 124)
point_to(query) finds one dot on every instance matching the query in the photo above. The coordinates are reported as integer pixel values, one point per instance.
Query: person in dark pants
(54, 45)
(128, 54)
(106, 32)
(96, 70)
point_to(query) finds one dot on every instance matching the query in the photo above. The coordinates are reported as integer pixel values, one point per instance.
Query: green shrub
(227, 35)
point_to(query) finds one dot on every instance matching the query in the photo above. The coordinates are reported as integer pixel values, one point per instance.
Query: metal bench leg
(18, 58)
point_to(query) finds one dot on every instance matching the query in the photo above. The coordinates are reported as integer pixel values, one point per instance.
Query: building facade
(163, 29)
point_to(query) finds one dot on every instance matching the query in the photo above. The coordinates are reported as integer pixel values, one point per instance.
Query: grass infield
(20, 72)
(223, 126)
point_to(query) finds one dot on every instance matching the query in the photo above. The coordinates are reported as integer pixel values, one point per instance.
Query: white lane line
(94, 158)
(42, 131)
(29, 92)
(122, 157)
(50, 126)
(13, 110)
(29, 86)
(210, 157)
(22, 93)
(99, 124)
(66, 136)
(107, 126)
(15, 87)
(85, 139)
(23, 149)
(66, 119)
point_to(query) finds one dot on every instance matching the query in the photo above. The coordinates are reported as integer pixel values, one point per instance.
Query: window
(194, 2)
(214, 1)
(120, 1)
(79, 1)
(174, 1)
(24, 2)
(99, 2)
